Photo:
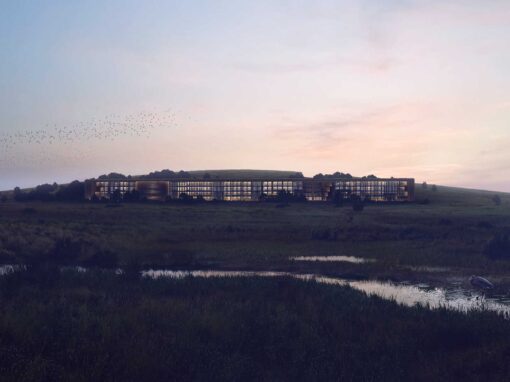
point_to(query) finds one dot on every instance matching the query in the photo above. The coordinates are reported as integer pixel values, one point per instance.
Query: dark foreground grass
(98, 326)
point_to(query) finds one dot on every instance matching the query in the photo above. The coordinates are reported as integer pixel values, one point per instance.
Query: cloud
(401, 140)
(365, 64)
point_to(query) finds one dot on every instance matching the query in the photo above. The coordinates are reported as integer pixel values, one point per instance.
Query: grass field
(98, 326)
(450, 231)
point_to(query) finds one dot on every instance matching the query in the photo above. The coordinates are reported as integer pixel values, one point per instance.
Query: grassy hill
(457, 196)
(244, 174)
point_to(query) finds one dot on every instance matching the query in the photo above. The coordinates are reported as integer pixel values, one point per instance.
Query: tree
(131, 196)
(74, 191)
(357, 204)
(18, 194)
(338, 198)
(185, 198)
(496, 199)
(424, 185)
(112, 175)
(116, 196)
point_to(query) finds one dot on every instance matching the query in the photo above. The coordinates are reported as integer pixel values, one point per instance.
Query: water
(452, 297)
(346, 259)
(9, 268)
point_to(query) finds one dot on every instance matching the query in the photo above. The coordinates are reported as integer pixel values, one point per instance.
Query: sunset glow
(393, 88)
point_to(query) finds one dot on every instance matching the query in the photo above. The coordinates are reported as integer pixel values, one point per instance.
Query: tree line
(73, 191)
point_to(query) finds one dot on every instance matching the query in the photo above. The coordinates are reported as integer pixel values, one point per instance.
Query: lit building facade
(311, 189)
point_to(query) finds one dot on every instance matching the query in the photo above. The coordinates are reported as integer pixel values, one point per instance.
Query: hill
(245, 174)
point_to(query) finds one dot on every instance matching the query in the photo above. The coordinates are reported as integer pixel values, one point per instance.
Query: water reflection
(453, 297)
(9, 268)
(347, 259)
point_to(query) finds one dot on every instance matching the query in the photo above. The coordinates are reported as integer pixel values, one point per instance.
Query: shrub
(498, 247)
(496, 199)
(66, 250)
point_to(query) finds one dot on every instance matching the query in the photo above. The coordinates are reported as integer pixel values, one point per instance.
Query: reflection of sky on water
(453, 297)
(346, 259)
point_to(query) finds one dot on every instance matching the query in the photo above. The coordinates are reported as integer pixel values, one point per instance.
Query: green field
(450, 231)
(100, 326)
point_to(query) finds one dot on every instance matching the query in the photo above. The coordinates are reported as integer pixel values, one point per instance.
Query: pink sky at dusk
(393, 88)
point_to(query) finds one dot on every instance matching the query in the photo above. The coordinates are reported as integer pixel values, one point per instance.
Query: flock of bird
(109, 128)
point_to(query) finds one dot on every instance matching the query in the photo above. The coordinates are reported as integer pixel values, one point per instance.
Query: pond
(346, 259)
(454, 296)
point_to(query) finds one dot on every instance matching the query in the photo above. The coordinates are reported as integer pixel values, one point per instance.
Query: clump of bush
(498, 247)
(496, 199)
(325, 234)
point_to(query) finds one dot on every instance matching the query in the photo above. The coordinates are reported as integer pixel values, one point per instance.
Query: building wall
(377, 190)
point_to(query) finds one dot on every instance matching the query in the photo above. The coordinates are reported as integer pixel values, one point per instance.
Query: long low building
(312, 189)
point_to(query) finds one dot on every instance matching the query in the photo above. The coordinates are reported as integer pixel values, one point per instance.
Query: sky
(393, 88)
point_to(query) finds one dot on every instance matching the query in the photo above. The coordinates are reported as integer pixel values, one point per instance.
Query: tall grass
(96, 326)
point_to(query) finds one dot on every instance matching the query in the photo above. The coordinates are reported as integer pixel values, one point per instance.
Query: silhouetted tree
(132, 196)
(74, 191)
(185, 198)
(112, 175)
(338, 198)
(424, 185)
(116, 196)
(357, 204)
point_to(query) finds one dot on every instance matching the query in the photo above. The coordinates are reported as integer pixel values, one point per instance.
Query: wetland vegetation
(60, 323)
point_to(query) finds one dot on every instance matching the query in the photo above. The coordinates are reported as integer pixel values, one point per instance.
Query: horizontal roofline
(136, 179)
